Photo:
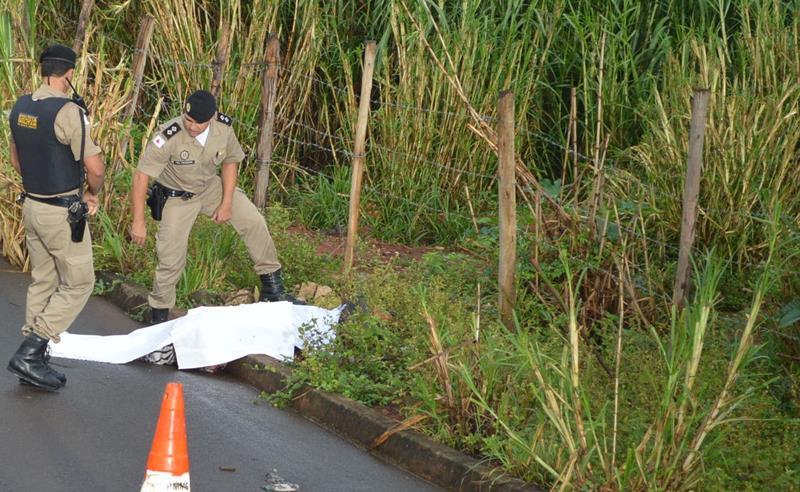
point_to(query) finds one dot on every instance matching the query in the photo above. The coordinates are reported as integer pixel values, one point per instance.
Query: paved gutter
(351, 420)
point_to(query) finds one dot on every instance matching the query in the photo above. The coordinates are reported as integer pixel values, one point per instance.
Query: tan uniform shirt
(68, 124)
(178, 161)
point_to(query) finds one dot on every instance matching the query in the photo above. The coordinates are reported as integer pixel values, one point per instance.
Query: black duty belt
(174, 193)
(58, 201)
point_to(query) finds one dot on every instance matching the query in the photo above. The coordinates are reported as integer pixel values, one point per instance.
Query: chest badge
(27, 121)
(183, 159)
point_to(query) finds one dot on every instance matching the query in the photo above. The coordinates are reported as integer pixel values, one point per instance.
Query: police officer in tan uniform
(182, 159)
(50, 148)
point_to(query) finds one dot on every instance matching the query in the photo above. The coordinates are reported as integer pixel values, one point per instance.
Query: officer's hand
(222, 214)
(91, 201)
(138, 232)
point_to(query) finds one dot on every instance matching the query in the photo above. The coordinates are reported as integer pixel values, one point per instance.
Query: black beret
(59, 52)
(201, 106)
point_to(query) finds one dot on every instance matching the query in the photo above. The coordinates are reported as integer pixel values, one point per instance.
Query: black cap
(59, 52)
(201, 106)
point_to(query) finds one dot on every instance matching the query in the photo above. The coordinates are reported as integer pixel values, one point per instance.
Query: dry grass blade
(444, 353)
(440, 364)
(404, 425)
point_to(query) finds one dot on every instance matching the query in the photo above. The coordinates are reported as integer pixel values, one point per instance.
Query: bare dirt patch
(333, 244)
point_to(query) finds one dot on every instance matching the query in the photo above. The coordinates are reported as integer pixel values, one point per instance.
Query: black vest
(47, 166)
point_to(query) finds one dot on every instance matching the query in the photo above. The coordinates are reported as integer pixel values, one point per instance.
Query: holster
(156, 199)
(76, 217)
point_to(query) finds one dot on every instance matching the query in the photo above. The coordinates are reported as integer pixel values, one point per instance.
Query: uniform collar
(45, 91)
(203, 137)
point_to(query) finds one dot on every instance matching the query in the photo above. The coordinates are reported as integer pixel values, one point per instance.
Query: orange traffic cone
(168, 463)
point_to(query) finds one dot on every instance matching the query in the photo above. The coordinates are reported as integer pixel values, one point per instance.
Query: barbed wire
(582, 211)
(261, 65)
(676, 198)
(374, 191)
(311, 78)
(254, 68)
(329, 136)
(585, 213)
(377, 102)
(296, 140)
(536, 134)
(661, 296)
(415, 157)
(547, 139)
(408, 201)
(151, 54)
(783, 335)
(419, 109)
(314, 145)
(631, 231)
(257, 67)
(188, 63)
(420, 158)
(127, 47)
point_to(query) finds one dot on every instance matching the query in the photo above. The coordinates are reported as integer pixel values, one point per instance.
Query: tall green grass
(546, 412)
(421, 147)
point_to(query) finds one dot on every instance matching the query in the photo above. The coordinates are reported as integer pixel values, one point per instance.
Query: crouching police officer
(183, 159)
(50, 147)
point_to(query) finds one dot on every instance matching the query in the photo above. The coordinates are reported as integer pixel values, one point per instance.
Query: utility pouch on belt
(156, 199)
(76, 216)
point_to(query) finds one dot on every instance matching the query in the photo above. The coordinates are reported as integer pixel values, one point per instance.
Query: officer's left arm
(14, 157)
(230, 169)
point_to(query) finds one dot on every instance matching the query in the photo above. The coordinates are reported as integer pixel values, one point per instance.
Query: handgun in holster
(77, 213)
(156, 199)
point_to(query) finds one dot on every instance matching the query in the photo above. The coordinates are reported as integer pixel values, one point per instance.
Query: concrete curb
(351, 420)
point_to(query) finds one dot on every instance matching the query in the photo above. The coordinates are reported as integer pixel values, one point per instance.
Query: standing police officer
(50, 147)
(183, 159)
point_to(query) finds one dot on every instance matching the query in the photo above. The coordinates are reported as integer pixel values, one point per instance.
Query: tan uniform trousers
(177, 220)
(62, 272)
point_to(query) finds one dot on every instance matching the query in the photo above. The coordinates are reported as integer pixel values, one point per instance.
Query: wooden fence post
(358, 155)
(508, 207)
(223, 48)
(80, 33)
(691, 190)
(269, 85)
(139, 62)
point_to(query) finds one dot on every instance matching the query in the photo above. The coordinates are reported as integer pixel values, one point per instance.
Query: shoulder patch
(224, 118)
(171, 130)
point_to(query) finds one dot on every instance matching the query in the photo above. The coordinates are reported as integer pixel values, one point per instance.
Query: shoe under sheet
(210, 335)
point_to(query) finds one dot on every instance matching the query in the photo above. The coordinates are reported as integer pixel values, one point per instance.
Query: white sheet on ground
(208, 336)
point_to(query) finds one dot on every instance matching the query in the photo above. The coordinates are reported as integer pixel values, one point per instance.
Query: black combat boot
(30, 365)
(61, 377)
(271, 287)
(158, 315)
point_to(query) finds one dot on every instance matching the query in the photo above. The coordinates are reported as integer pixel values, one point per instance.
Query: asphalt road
(95, 434)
